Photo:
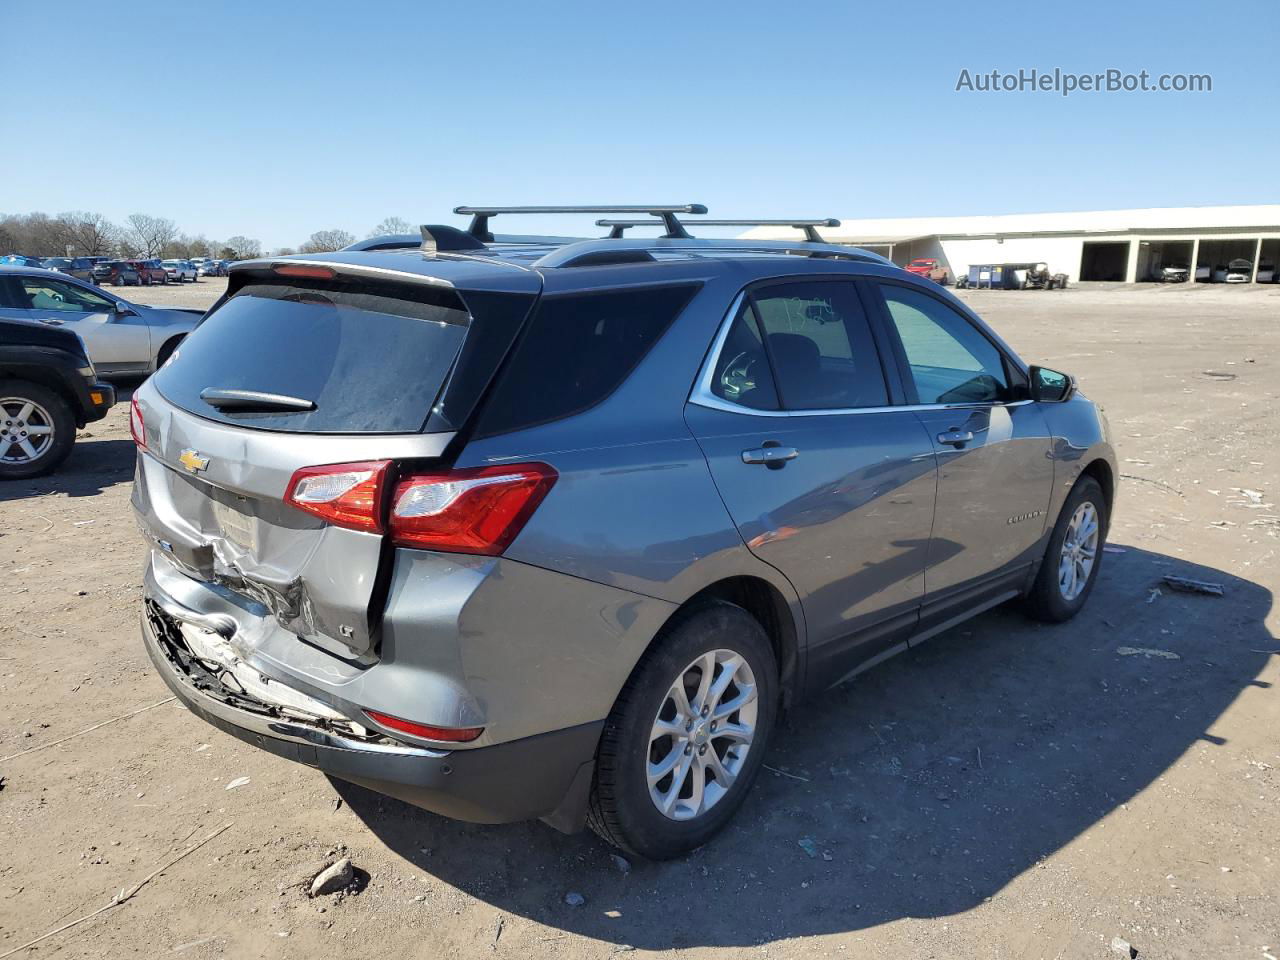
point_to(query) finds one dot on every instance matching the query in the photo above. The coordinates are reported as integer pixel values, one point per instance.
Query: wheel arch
(1101, 471)
(771, 609)
(167, 348)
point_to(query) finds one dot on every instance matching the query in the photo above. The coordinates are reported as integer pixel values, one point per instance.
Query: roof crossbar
(666, 214)
(618, 227)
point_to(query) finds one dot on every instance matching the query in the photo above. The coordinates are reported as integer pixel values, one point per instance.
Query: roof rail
(665, 212)
(619, 227)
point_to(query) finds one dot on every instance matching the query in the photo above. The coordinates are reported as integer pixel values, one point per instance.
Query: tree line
(79, 233)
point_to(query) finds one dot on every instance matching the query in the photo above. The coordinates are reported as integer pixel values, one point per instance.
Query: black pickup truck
(48, 388)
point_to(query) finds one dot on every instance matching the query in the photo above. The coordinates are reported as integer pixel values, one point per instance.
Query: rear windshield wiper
(254, 400)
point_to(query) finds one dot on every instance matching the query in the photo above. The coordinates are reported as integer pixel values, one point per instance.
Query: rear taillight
(480, 510)
(137, 428)
(468, 511)
(344, 494)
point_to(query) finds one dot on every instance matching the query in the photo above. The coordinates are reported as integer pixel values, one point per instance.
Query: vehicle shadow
(94, 466)
(917, 790)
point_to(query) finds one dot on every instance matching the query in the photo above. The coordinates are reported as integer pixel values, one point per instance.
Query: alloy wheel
(702, 734)
(26, 430)
(1079, 551)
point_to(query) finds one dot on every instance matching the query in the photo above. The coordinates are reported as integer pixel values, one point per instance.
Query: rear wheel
(1073, 556)
(687, 734)
(36, 430)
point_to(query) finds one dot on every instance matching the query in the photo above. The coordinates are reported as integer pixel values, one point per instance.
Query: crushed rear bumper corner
(543, 777)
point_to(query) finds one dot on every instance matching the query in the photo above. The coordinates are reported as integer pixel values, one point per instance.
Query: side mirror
(125, 310)
(1050, 386)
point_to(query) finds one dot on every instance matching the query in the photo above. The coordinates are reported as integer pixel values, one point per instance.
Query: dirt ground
(1006, 790)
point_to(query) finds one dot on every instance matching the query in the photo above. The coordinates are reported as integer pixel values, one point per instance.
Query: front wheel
(1074, 554)
(687, 734)
(36, 430)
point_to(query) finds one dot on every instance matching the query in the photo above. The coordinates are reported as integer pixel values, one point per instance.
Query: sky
(274, 120)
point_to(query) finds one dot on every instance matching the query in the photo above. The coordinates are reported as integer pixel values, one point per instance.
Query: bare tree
(283, 252)
(152, 234)
(322, 241)
(393, 225)
(242, 248)
(87, 234)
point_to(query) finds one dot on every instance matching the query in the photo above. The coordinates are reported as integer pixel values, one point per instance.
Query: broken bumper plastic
(546, 776)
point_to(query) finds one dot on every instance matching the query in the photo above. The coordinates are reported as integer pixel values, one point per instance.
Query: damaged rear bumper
(547, 776)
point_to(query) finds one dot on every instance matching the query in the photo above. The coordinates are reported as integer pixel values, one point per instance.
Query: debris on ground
(1148, 652)
(622, 863)
(1154, 595)
(237, 782)
(1187, 585)
(334, 878)
(808, 846)
(574, 899)
(1122, 946)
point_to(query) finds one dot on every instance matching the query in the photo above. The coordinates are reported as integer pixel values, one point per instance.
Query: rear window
(372, 358)
(576, 350)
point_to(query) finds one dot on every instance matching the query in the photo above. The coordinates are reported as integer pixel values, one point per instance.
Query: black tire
(621, 810)
(1045, 601)
(63, 423)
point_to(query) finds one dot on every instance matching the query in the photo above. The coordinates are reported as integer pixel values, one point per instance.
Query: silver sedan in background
(122, 338)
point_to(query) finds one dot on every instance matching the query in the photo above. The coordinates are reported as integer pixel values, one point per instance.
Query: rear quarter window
(576, 350)
(372, 358)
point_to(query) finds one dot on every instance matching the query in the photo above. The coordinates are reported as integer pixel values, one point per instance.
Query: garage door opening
(1104, 261)
(1220, 259)
(1269, 262)
(1164, 261)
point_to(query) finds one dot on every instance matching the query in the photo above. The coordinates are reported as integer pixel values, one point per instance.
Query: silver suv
(533, 529)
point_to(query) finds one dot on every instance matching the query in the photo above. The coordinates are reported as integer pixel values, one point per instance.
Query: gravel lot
(1007, 790)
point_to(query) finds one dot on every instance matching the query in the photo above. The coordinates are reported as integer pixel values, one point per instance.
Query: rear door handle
(772, 456)
(956, 438)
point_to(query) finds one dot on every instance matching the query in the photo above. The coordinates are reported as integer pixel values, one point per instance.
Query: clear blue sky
(274, 120)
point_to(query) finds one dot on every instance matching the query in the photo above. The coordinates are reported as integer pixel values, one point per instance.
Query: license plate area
(239, 528)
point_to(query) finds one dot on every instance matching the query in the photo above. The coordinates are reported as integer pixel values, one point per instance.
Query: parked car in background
(122, 337)
(79, 267)
(152, 271)
(1239, 271)
(208, 268)
(179, 270)
(1266, 272)
(118, 273)
(18, 260)
(48, 388)
(1173, 273)
(386, 536)
(929, 268)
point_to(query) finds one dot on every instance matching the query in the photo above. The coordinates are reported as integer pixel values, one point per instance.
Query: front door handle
(956, 438)
(775, 457)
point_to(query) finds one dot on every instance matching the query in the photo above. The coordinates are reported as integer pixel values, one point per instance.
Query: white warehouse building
(1129, 246)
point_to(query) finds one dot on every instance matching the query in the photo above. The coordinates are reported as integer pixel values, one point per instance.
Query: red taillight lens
(448, 734)
(468, 511)
(137, 429)
(344, 494)
(294, 270)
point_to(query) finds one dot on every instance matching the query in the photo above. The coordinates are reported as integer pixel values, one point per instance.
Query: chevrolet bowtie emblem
(193, 461)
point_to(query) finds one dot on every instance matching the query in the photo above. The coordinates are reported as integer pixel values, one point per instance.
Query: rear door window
(823, 352)
(577, 349)
(371, 357)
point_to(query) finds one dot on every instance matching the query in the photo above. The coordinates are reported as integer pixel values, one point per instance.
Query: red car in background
(150, 271)
(929, 268)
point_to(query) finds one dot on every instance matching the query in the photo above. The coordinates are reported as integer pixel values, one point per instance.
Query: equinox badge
(193, 461)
